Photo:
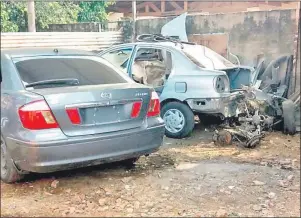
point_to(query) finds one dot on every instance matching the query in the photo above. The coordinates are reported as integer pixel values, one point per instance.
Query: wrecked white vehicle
(190, 79)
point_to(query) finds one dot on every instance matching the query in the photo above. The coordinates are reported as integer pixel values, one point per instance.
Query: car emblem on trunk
(106, 95)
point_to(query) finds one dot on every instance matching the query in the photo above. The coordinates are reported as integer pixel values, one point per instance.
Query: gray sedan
(63, 109)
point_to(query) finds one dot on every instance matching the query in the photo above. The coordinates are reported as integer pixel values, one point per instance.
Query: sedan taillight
(136, 109)
(221, 84)
(154, 106)
(73, 115)
(37, 115)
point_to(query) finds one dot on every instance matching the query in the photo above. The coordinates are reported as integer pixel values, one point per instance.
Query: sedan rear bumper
(69, 154)
(225, 106)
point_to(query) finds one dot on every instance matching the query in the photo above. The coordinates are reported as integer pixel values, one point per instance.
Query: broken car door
(151, 66)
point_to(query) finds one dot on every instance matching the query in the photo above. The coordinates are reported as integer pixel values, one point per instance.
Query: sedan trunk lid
(101, 108)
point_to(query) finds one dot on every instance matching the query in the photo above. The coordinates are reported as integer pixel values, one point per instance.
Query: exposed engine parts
(247, 134)
(254, 118)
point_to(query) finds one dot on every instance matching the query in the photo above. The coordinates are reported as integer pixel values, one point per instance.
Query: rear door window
(86, 70)
(119, 57)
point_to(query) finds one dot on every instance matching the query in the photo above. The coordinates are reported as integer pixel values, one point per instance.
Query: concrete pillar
(134, 19)
(31, 16)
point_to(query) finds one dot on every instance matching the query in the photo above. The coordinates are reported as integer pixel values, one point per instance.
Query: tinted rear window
(87, 71)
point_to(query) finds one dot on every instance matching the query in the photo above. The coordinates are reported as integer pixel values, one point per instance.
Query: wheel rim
(3, 161)
(174, 120)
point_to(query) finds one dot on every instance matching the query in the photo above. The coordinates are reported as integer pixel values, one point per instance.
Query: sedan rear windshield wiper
(71, 82)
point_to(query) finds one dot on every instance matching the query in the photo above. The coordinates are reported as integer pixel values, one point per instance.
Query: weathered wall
(298, 61)
(218, 42)
(74, 27)
(250, 33)
(83, 27)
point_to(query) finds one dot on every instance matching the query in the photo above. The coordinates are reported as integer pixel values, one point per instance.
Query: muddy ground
(189, 177)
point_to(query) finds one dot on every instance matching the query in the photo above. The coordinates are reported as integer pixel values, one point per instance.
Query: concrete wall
(74, 40)
(75, 27)
(83, 27)
(270, 33)
(298, 61)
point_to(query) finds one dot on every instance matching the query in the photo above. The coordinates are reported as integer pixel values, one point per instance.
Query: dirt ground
(189, 177)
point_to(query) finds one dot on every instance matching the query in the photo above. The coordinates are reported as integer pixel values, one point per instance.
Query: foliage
(13, 17)
(94, 11)
(6, 24)
(55, 13)
(14, 14)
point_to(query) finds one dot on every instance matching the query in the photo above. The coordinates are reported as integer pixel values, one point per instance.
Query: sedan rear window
(83, 70)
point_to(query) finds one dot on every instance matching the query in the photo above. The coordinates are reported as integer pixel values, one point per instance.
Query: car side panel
(11, 125)
(13, 96)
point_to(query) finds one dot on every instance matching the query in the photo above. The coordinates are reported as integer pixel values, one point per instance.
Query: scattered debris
(272, 195)
(258, 112)
(258, 183)
(221, 213)
(126, 179)
(186, 166)
(290, 178)
(54, 183)
(137, 205)
(71, 210)
(130, 210)
(102, 201)
(47, 193)
(257, 207)
(283, 183)
(263, 105)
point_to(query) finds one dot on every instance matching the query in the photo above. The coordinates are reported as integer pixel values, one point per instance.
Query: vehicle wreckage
(263, 103)
(193, 80)
(263, 106)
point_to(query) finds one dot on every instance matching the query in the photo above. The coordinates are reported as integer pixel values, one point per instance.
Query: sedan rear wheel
(174, 120)
(9, 173)
(178, 118)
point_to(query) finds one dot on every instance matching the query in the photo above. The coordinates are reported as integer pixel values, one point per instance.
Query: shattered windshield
(206, 58)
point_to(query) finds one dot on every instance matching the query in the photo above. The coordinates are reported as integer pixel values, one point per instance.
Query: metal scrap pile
(264, 106)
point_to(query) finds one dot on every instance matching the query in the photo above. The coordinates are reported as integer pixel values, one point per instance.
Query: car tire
(188, 119)
(289, 117)
(9, 173)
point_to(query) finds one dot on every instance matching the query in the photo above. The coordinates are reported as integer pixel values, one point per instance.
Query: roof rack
(160, 38)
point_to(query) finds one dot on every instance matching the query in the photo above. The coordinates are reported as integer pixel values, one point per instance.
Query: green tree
(14, 14)
(13, 17)
(55, 13)
(6, 24)
(94, 11)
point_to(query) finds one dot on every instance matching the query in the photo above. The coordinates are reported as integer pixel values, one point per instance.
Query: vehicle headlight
(221, 84)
